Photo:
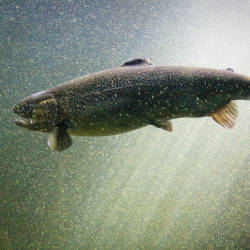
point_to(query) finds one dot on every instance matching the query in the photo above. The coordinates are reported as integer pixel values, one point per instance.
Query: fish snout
(24, 110)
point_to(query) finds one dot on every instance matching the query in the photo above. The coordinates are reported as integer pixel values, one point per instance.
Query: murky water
(147, 189)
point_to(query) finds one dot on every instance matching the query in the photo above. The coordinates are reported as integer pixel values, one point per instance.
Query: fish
(129, 97)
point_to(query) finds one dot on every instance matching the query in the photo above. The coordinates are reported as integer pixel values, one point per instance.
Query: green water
(147, 189)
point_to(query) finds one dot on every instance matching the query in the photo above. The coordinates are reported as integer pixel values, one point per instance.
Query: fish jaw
(32, 125)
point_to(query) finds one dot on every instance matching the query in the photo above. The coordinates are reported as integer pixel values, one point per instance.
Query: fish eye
(27, 108)
(24, 110)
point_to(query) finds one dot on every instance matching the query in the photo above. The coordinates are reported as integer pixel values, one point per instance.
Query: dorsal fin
(230, 69)
(226, 116)
(138, 62)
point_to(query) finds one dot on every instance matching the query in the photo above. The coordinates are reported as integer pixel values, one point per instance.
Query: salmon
(132, 96)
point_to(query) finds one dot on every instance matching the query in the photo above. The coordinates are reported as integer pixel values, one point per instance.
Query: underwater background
(147, 189)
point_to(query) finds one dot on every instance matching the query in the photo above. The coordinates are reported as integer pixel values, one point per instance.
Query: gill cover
(46, 110)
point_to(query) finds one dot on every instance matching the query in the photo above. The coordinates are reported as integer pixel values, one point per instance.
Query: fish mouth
(34, 125)
(24, 123)
(26, 120)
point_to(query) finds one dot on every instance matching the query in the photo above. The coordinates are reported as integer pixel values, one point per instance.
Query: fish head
(39, 112)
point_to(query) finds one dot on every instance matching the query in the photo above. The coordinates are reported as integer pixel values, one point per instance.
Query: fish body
(132, 96)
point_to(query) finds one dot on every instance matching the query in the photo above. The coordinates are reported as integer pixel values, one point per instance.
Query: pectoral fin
(163, 124)
(226, 116)
(59, 139)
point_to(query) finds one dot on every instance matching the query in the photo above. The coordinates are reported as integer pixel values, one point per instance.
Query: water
(146, 189)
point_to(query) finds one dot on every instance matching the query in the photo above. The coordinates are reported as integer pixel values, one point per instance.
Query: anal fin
(226, 116)
(59, 139)
(163, 124)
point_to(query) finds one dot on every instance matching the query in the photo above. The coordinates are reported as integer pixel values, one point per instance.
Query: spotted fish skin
(132, 96)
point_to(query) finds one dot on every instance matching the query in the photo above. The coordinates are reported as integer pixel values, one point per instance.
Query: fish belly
(105, 127)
